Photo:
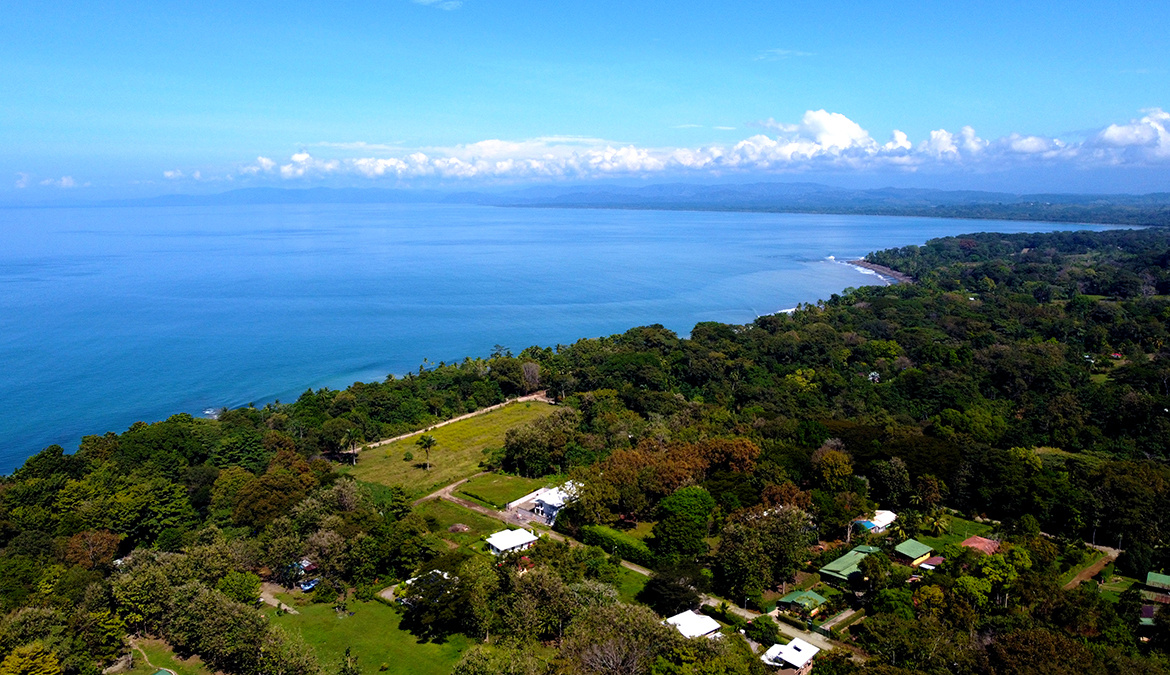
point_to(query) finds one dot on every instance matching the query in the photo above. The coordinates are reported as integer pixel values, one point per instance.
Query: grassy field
(642, 530)
(497, 489)
(1117, 584)
(373, 636)
(448, 514)
(629, 583)
(161, 655)
(961, 529)
(457, 453)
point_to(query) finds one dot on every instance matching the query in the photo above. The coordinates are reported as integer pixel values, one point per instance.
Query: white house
(506, 541)
(550, 502)
(794, 657)
(692, 624)
(880, 521)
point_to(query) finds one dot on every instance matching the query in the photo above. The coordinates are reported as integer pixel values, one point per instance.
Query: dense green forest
(1023, 380)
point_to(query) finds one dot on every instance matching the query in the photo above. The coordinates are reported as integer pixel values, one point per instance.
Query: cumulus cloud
(63, 182)
(21, 180)
(1146, 139)
(819, 140)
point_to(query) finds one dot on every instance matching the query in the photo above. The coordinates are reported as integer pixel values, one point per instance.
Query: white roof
(558, 496)
(692, 624)
(795, 653)
(883, 518)
(508, 539)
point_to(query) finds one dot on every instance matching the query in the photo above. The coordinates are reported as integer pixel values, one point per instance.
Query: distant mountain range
(1148, 209)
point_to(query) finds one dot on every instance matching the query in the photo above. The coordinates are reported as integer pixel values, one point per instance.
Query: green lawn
(457, 453)
(629, 583)
(161, 656)
(961, 529)
(497, 489)
(373, 636)
(641, 531)
(448, 514)
(1117, 584)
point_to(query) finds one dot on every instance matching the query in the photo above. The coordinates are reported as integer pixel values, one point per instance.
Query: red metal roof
(988, 546)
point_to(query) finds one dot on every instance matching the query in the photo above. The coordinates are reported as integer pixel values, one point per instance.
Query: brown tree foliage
(786, 494)
(92, 548)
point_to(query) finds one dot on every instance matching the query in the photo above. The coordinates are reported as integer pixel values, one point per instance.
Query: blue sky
(112, 99)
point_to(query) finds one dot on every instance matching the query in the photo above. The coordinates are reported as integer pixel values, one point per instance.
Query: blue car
(310, 585)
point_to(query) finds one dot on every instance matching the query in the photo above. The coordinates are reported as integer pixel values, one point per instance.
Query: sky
(102, 100)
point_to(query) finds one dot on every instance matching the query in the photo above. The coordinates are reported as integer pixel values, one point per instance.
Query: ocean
(113, 315)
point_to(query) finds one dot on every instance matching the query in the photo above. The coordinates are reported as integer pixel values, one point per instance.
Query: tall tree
(426, 442)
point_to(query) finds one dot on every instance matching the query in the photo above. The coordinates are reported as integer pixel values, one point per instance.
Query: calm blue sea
(112, 315)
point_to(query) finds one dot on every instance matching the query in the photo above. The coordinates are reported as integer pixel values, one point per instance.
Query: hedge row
(613, 541)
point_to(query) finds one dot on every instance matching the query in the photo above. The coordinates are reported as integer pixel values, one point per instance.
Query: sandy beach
(885, 272)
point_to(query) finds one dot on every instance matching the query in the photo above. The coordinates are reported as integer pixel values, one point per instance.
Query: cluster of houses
(911, 553)
(1155, 592)
(794, 658)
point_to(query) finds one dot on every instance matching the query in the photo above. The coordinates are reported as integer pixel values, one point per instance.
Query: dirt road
(538, 396)
(1092, 570)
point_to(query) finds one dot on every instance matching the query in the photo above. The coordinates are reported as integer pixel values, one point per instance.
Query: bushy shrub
(613, 541)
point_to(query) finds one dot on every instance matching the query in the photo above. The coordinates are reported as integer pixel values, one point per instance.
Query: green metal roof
(1155, 580)
(806, 599)
(913, 549)
(846, 565)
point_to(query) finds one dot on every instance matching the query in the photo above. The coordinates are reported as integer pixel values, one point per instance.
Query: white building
(795, 657)
(692, 624)
(506, 541)
(880, 521)
(550, 502)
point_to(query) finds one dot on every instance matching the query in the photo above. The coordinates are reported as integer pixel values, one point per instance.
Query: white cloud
(687, 126)
(820, 140)
(21, 181)
(779, 54)
(440, 4)
(1144, 139)
(262, 165)
(724, 128)
(63, 182)
(173, 175)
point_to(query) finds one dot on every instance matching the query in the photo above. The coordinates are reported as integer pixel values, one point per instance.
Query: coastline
(891, 275)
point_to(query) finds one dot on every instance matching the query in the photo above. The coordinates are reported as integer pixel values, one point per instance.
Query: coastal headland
(885, 272)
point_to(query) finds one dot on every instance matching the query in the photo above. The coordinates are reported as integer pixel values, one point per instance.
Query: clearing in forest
(161, 655)
(497, 489)
(457, 453)
(373, 635)
(446, 515)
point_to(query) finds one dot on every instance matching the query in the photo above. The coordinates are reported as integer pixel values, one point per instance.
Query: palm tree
(939, 524)
(426, 442)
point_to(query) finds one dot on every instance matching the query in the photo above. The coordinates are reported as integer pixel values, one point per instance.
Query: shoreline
(892, 275)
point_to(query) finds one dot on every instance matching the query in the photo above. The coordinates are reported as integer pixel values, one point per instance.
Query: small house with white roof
(506, 541)
(692, 624)
(549, 503)
(794, 658)
(880, 521)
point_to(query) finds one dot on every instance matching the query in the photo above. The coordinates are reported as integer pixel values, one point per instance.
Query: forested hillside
(1022, 384)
